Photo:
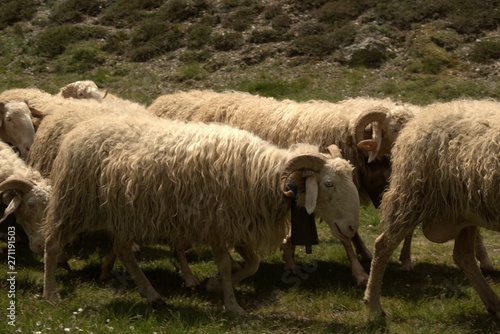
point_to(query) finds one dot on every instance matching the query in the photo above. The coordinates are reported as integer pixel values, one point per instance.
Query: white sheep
(45, 103)
(83, 89)
(445, 175)
(316, 122)
(146, 179)
(26, 194)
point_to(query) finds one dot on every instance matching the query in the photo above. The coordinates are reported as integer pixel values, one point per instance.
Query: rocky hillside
(418, 51)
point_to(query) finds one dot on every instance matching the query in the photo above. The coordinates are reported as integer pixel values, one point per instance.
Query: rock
(369, 51)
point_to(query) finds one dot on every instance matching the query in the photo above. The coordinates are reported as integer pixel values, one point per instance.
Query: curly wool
(50, 134)
(446, 163)
(282, 122)
(12, 164)
(139, 181)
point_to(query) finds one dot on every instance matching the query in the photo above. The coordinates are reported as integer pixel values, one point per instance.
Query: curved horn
(16, 183)
(312, 162)
(376, 114)
(105, 93)
(334, 151)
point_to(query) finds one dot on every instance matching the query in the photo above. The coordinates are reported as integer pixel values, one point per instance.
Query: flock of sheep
(224, 170)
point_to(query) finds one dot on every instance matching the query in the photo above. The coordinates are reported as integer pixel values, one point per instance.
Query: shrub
(241, 19)
(189, 57)
(447, 39)
(153, 38)
(180, 10)
(311, 28)
(116, 43)
(314, 45)
(345, 35)
(192, 71)
(480, 15)
(281, 23)
(227, 41)
(74, 11)
(54, 41)
(427, 57)
(265, 36)
(126, 13)
(485, 51)
(272, 11)
(12, 11)
(81, 59)
(403, 14)
(198, 35)
(339, 11)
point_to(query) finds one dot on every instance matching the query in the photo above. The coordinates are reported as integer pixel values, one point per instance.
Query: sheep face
(16, 126)
(336, 197)
(85, 89)
(27, 201)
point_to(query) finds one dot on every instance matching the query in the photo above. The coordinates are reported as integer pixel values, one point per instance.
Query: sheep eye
(328, 184)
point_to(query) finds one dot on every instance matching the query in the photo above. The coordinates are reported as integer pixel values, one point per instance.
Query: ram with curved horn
(450, 186)
(320, 123)
(207, 184)
(25, 193)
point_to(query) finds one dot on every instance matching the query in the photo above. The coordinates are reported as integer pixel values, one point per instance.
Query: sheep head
(27, 200)
(85, 89)
(323, 184)
(16, 126)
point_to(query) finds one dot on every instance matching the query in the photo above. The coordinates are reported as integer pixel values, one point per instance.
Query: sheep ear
(311, 193)
(12, 207)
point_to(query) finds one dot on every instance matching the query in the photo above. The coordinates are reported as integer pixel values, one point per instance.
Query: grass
(321, 298)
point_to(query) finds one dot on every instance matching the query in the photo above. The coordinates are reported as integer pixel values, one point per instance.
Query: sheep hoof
(406, 266)
(236, 311)
(212, 284)
(487, 270)
(52, 298)
(157, 303)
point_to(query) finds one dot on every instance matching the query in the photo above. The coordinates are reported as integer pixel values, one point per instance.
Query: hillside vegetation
(416, 51)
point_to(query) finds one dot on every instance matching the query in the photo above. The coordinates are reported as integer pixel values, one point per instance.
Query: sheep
(145, 179)
(45, 103)
(445, 175)
(16, 126)
(84, 89)
(26, 194)
(44, 151)
(321, 123)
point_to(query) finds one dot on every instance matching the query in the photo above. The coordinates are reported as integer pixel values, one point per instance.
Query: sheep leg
(127, 258)
(223, 261)
(357, 270)
(107, 267)
(289, 254)
(482, 256)
(385, 245)
(463, 255)
(405, 255)
(53, 250)
(187, 275)
(251, 266)
(361, 249)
